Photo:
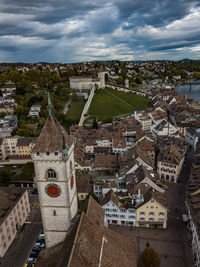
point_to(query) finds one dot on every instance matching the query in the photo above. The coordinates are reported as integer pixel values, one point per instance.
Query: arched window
(162, 176)
(51, 174)
(167, 177)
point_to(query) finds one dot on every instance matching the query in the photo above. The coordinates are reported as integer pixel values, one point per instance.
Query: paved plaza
(173, 243)
(172, 246)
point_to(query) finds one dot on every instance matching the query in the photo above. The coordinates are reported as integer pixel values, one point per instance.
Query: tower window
(51, 174)
(54, 213)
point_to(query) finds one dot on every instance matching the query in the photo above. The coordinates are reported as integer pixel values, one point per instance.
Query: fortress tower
(53, 157)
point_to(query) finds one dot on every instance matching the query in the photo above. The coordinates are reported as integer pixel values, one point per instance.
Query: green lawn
(106, 106)
(75, 110)
(137, 101)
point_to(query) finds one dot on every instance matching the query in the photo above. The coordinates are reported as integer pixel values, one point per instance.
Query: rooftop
(83, 245)
(52, 137)
(8, 199)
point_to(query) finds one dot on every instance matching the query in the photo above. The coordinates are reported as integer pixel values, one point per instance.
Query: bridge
(191, 83)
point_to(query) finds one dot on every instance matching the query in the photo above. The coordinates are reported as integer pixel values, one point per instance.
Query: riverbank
(190, 89)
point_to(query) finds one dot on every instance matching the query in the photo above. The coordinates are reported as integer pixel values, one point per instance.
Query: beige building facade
(14, 209)
(151, 214)
(170, 162)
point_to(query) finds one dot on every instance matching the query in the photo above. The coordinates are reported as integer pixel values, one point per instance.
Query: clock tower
(53, 157)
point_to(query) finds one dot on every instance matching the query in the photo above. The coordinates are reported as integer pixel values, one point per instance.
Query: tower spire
(49, 105)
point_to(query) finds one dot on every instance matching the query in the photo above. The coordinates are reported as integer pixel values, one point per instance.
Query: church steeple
(53, 157)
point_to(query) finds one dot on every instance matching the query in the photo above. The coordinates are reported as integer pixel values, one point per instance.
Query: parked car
(42, 235)
(39, 244)
(41, 240)
(32, 260)
(34, 254)
(37, 249)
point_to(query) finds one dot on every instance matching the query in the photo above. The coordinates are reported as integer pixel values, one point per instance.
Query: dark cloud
(85, 29)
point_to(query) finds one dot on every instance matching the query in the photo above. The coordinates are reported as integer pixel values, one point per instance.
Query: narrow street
(22, 245)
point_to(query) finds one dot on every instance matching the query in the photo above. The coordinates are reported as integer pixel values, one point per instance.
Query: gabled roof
(157, 196)
(9, 197)
(92, 239)
(26, 141)
(83, 244)
(53, 137)
(110, 196)
(170, 154)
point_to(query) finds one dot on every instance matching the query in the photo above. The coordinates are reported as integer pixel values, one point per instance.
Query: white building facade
(120, 216)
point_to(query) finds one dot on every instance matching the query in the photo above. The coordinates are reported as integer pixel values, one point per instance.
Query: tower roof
(53, 137)
(101, 69)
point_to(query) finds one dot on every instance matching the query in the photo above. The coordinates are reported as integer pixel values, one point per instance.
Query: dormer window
(51, 174)
(47, 153)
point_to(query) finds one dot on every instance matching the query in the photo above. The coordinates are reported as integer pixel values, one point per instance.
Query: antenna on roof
(49, 105)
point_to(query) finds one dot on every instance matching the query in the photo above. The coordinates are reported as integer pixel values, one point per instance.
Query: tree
(3, 78)
(138, 80)
(120, 80)
(56, 77)
(133, 85)
(5, 177)
(196, 75)
(14, 76)
(19, 109)
(95, 124)
(149, 257)
(106, 77)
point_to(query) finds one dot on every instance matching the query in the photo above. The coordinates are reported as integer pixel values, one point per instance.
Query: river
(185, 90)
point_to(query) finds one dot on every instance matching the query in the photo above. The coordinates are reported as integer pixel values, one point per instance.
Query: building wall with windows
(3, 153)
(18, 208)
(193, 227)
(25, 145)
(11, 146)
(168, 171)
(25, 150)
(150, 214)
(117, 215)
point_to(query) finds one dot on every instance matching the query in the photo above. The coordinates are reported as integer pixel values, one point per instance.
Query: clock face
(53, 190)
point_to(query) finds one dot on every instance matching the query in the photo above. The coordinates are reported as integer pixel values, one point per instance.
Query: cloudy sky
(83, 30)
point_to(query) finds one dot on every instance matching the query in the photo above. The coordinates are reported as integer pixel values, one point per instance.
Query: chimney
(138, 192)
